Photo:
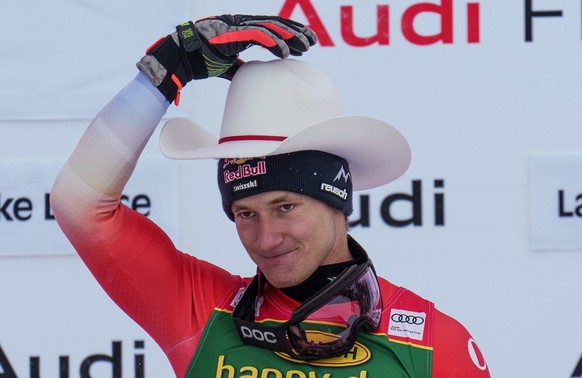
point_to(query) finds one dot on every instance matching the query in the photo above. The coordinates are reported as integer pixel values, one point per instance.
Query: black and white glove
(210, 48)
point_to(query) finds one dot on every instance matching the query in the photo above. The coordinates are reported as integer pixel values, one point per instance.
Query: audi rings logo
(408, 319)
(407, 324)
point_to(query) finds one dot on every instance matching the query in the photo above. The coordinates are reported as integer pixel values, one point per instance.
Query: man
(288, 163)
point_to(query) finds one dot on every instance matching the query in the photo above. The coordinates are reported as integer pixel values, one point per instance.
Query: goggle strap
(245, 308)
(262, 336)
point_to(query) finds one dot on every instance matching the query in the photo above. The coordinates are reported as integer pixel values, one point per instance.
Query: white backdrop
(491, 107)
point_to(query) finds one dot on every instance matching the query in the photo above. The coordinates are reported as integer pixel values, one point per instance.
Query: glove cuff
(172, 61)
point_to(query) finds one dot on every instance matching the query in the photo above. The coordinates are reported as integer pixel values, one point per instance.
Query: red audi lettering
(444, 11)
(441, 10)
(382, 36)
(473, 24)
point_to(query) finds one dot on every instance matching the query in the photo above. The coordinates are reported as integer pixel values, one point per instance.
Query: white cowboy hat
(288, 105)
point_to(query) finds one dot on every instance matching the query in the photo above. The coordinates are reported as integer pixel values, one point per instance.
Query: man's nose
(269, 234)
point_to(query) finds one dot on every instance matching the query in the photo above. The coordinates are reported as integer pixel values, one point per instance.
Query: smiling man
(288, 163)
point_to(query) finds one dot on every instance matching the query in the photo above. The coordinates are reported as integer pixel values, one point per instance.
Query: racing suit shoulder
(415, 320)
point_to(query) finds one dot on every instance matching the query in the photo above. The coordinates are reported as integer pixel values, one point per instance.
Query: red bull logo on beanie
(245, 171)
(236, 161)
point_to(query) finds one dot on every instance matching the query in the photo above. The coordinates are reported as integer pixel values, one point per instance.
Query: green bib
(221, 354)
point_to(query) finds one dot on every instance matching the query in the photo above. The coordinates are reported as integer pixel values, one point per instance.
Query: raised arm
(132, 259)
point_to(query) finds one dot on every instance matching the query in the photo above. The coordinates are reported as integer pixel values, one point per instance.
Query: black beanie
(316, 174)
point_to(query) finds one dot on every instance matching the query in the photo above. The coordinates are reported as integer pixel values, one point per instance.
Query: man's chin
(284, 279)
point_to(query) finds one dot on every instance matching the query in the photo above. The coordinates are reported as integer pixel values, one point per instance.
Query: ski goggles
(325, 325)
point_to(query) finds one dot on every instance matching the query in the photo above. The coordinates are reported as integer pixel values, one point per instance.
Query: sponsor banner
(27, 224)
(420, 203)
(116, 360)
(556, 201)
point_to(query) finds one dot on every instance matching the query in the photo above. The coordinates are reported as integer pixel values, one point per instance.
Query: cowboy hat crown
(287, 105)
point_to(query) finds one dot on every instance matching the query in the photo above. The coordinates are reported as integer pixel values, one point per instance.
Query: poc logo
(258, 335)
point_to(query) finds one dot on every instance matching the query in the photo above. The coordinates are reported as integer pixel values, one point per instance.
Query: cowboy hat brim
(377, 153)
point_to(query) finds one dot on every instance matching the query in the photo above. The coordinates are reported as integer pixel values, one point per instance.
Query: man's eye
(287, 207)
(244, 214)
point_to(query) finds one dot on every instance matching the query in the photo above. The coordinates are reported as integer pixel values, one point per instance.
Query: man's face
(288, 235)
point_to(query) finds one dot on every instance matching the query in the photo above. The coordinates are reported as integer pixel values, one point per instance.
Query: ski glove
(210, 48)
